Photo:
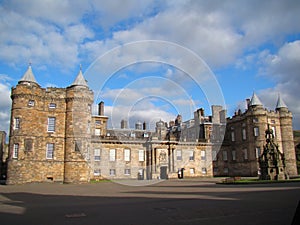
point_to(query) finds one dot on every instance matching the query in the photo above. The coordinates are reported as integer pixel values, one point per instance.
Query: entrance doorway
(163, 172)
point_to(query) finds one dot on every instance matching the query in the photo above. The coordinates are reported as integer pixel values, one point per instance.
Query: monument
(272, 161)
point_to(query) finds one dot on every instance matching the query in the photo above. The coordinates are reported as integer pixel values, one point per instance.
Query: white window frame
(97, 131)
(15, 151)
(97, 154)
(51, 124)
(141, 155)
(203, 155)
(112, 172)
(256, 131)
(97, 172)
(112, 155)
(127, 171)
(17, 123)
(126, 155)
(31, 102)
(178, 154)
(50, 151)
(52, 105)
(192, 171)
(191, 155)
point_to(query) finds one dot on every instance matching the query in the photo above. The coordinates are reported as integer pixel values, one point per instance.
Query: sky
(151, 60)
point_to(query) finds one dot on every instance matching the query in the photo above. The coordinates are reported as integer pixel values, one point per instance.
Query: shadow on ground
(169, 204)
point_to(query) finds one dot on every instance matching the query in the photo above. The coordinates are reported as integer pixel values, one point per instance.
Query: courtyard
(182, 202)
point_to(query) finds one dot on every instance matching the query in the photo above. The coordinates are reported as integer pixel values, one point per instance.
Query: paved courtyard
(169, 202)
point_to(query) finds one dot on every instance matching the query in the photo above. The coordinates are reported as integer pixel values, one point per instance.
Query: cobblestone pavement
(187, 201)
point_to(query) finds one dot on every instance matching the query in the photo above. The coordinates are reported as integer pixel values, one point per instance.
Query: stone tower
(287, 138)
(79, 100)
(37, 132)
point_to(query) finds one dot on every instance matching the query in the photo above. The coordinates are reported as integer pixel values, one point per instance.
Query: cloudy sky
(151, 60)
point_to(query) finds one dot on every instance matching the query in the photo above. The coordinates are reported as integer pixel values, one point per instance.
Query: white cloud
(284, 68)
(5, 102)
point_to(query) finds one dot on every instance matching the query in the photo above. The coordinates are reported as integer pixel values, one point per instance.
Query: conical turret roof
(255, 100)
(280, 103)
(28, 76)
(80, 81)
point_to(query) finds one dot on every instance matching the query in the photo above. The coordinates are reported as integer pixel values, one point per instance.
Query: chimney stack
(101, 108)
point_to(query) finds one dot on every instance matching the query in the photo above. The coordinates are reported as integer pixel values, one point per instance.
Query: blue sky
(182, 54)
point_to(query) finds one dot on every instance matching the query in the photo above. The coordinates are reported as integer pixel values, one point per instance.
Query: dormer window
(31, 103)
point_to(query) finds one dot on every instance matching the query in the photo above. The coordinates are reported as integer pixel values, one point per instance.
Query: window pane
(214, 155)
(17, 123)
(232, 136)
(50, 151)
(191, 155)
(127, 155)
(256, 131)
(112, 172)
(141, 156)
(51, 124)
(203, 155)
(178, 154)
(16, 151)
(244, 134)
(97, 154)
(112, 155)
(97, 132)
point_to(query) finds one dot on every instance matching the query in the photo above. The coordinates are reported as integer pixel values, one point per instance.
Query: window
(178, 154)
(127, 171)
(28, 144)
(112, 172)
(232, 136)
(255, 120)
(51, 124)
(141, 156)
(97, 154)
(204, 171)
(146, 135)
(192, 171)
(191, 155)
(112, 155)
(245, 151)
(78, 146)
(127, 155)
(97, 132)
(225, 156)
(52, 105)
(15, 151)
(31, 103)
(272, 121)
(17, 123)
(214, 155)
(50, 151)
(233, 152)
(274, 130)
(225, 170)
(203, 155)
(244, 136)
(97, 172)
(257, 152)
(256, 131)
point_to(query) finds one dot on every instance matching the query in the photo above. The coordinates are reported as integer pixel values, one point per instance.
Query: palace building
(55, 137)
